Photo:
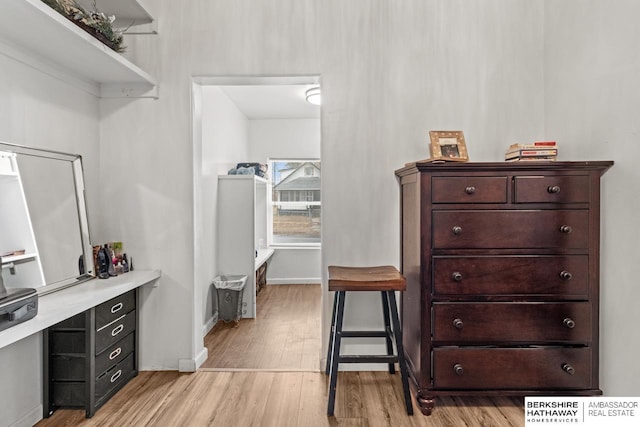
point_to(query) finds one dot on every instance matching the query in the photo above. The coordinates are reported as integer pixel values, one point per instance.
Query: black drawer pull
(565, 275)
(470, 190)
(115, 331)
(117, 307)
(457, 276)
(115, 353)
(553, 189)
(568, 369)
(458, 323)
(569, 323)
(457, 368)
(115, 376)
(456, 230)
(566, 229)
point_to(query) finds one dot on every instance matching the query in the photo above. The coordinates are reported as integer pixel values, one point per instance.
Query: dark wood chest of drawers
(90, 356)
(502, 269)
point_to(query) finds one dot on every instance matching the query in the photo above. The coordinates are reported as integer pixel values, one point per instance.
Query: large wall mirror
(44, 236)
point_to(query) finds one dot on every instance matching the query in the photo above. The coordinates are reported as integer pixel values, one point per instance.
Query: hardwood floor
(285, 335)
(238, 399)
(264, 385)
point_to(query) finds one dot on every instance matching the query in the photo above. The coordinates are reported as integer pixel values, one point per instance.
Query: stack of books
(534, 151)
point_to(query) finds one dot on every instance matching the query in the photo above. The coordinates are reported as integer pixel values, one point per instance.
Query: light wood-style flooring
(285, 335)
(238, 399)
(285, 388)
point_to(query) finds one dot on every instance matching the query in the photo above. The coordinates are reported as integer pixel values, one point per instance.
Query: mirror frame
(87, 250)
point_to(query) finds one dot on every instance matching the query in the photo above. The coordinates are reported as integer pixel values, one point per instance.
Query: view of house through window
(296, 201)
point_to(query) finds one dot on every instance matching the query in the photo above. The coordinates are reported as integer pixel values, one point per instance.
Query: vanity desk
(64, 312)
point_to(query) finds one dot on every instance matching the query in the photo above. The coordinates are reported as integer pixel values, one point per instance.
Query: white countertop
(263, 256)
(60, 305)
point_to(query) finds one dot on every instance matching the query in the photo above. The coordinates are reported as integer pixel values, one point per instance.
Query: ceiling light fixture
(313, 95)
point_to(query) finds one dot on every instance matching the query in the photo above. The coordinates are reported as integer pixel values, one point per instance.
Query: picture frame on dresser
(448, 146)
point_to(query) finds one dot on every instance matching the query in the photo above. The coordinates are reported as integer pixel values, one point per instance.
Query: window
(296, 202)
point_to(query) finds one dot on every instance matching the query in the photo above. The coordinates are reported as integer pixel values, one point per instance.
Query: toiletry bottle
(125, 264)
(112, 269)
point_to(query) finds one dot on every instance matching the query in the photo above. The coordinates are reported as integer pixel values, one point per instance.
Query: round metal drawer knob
(458, 323)
(568, 369)
(457, 276)
(457, 368)
(457, 230)
(566, 229)
(565, 275)
(569, 323)
(553, 189)
(470, 190)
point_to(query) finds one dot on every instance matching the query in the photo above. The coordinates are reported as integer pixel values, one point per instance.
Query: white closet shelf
(16, 258)
(130, 14)
(35, 34)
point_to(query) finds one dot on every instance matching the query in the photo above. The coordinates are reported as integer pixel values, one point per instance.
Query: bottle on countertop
(125, 264)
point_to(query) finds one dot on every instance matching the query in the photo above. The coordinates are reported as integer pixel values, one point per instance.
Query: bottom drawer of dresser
(512, 368)
(112, 378)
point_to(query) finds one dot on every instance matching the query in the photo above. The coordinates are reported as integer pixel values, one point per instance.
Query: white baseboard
(31, 418)
(206, 328)
(202, 357)
(192, 365)
(298, 281)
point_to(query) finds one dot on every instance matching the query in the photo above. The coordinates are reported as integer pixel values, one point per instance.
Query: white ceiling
(272, 101)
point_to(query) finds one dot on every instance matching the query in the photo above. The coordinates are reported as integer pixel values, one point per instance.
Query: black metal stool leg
(331, 333)
(397, 333)
(335, 353)
(387, 329)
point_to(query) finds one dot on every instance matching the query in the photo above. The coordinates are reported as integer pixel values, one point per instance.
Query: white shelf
(130, 14)
(33, 33)
(17, 258)
(263, 256)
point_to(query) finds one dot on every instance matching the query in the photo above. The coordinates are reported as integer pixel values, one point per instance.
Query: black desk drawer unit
(89, 357)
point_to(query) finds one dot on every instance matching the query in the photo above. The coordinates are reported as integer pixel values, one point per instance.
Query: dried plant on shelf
(93, 22)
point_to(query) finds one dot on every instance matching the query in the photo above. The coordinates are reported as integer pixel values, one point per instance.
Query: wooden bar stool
(386, 280)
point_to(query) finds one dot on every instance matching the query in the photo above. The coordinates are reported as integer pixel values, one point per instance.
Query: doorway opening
(265, 120)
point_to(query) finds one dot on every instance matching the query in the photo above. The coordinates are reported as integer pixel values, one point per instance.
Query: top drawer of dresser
(469, 189)
(551, 189)
(109, 311)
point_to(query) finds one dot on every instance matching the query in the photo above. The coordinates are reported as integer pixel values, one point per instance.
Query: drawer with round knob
(511, 323)
(551, 189)
(469, 189)
(510, 229)
(558, 276)
(512, 368)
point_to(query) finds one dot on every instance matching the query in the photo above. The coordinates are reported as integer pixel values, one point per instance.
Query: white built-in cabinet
(22, 270)
(243, 201)
(33, 33)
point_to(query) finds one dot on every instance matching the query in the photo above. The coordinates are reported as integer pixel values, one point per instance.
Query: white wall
(40, 111)
(289, 139)
(592, 105)
(390, 72)
(225, 142)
